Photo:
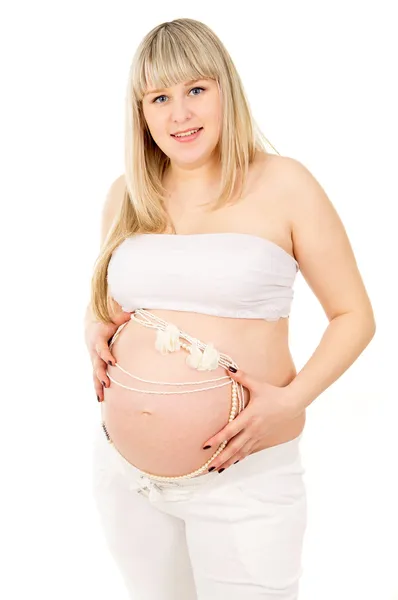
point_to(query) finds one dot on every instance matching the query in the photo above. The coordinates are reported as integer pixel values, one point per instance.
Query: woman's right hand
(98, 335)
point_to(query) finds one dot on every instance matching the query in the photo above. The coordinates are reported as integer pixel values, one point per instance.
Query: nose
(180, 111)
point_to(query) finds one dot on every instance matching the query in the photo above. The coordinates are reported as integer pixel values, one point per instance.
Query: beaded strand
(148, 319)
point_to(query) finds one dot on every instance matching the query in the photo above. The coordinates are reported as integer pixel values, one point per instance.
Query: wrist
(295, 397)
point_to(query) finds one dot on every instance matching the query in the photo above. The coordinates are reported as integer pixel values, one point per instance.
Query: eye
(197, 88)
(163, 95)
(157, 98)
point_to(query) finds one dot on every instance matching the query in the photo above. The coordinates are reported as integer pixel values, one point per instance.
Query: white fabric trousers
(235, 535)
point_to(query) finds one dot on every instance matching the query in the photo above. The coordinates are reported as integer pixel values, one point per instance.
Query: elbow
(363, 324)
(371, 321)
(372, 328)
(368, 325)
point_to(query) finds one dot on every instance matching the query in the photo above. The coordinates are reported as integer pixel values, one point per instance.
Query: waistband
(275, 457)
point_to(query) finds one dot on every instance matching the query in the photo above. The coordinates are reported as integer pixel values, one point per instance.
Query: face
(184, 107)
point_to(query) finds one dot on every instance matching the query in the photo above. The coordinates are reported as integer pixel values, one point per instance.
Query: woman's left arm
(328, 265)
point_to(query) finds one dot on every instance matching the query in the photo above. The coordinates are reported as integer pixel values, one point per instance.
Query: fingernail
(206, 447)
(212, 468)
(221, 470)
(232, 369)
(236, 462)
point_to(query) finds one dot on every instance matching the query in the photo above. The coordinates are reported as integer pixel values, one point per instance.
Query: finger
(230, 451)
(102, 349)
(100, 369)
(99, 388)
(101, 373)
(240, 454)
(242, 377)
(229, 431)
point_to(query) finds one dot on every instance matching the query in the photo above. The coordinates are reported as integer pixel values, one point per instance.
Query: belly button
(146, 413)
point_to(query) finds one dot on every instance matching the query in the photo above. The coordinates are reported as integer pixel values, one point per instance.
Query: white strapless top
(223, 274)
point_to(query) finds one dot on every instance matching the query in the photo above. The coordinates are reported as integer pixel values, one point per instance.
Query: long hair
(171, 53)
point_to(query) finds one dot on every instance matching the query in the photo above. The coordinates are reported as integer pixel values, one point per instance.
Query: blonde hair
(173, 52)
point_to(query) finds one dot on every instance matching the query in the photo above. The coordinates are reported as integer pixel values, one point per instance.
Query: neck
(192, 181)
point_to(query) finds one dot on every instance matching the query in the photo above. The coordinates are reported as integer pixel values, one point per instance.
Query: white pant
(236, 534)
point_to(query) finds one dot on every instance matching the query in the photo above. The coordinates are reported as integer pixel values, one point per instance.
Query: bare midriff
(165, 435)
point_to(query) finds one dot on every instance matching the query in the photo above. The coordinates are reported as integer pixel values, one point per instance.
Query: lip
(188, 139)
(186, 130)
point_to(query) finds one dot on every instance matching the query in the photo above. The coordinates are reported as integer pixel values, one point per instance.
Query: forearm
(343, 341)
(89, 319)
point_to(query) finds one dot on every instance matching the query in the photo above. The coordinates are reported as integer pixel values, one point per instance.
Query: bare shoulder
(301, 197)
(272, 173)
(310, 211)
(279, 169)
(112, 205)
(320, 241)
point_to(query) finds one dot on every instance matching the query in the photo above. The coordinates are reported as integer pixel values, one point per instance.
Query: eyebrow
(188, 83)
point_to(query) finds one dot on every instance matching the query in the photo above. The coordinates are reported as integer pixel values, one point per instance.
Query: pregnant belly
(162, 434)
(165, 434)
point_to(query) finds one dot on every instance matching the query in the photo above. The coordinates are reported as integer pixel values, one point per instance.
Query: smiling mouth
(186, 134)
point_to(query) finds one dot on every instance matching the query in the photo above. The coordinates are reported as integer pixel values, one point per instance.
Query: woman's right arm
(96, 333)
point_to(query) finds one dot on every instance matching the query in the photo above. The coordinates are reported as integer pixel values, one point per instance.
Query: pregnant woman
(197, 473)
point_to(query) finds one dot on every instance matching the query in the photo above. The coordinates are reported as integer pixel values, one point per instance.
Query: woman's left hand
(269, 406)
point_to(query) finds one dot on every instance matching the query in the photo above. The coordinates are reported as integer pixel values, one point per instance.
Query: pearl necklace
(202, 357)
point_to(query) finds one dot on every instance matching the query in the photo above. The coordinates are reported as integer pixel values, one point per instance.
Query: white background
(319, 77)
